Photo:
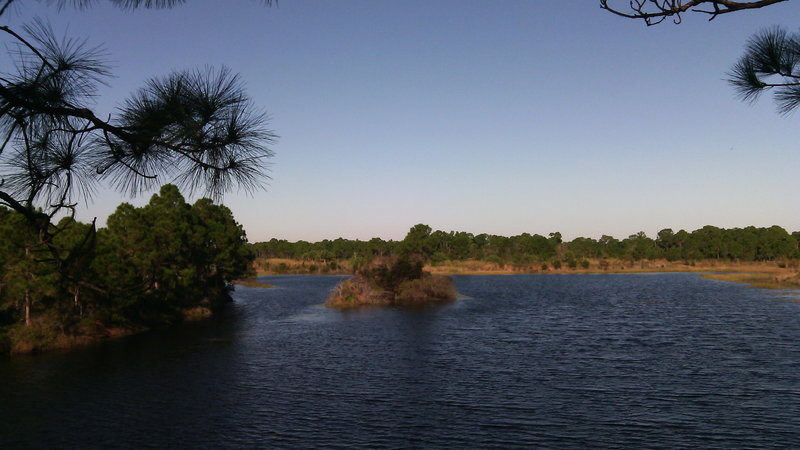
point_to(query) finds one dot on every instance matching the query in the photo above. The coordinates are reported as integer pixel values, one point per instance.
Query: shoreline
(39, 338)
(764, 275)
(479, 267)
(757, 280)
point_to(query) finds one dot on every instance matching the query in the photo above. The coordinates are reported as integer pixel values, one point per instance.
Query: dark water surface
(575, 361)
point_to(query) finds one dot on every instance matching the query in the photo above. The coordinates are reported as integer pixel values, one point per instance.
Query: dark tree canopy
(150, 266)
(709, 242)
(195, 128)
(654, 12)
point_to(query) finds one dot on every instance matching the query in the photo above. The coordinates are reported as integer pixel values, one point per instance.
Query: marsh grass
(758, 280)
(356, 292)
(496, 266)
(45, 335)
(478, 267)
(429, 289)
(359, 291)
(252, 282)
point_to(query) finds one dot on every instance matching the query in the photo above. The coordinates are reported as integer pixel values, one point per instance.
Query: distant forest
(710, 242)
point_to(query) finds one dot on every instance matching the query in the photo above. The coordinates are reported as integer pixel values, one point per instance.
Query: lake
(572, 361)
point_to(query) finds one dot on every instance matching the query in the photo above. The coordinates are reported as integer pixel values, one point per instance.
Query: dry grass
(196, 313)
(479, 267)
(476, 267)
(252, 282)
(356, 292)
(43, 335)
(759, 280)
(426, 290)
(283, 266)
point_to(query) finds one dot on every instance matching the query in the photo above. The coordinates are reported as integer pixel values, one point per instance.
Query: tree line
(149, 266)
(709, 242)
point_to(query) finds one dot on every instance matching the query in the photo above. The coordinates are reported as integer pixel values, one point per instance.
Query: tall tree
(417, 242)
(170, 255)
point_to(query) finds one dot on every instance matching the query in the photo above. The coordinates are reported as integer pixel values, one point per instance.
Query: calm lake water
(574, 361)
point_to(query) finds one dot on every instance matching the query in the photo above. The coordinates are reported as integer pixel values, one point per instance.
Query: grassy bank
(45, 333)
(283, 266)
(252, 282)
(479, 267)
(766, 274)
(473, 267)
(759, 280)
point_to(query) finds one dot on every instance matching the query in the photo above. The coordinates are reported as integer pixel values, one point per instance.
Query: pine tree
(197, 128)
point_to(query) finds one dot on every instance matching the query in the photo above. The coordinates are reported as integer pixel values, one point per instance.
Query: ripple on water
(656, 361)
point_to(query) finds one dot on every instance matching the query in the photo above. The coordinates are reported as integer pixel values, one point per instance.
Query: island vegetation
(398, 281)
(151, 266)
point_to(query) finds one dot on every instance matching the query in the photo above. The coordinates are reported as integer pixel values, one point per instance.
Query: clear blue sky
(500, 117)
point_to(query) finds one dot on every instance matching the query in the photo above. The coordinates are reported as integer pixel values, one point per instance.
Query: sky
(498, 117)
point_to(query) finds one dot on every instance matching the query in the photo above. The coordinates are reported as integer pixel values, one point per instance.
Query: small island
(392, 282)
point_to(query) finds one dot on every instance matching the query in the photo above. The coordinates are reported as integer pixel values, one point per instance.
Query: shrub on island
(385, 282)
(428, 289)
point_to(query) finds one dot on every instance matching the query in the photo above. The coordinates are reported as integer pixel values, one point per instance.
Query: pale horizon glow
(498, 118)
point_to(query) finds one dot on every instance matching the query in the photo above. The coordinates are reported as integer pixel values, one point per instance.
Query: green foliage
(357, 262)
(494, 259)
(425, 290)
(148, 265)
(176, 254)
(197, 127)
(389, 275)
(742, 244)
(418, 242)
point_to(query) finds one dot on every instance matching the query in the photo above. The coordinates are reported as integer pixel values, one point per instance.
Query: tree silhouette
(653, 12)
(770, 63)
(196, 128)
(771, 58)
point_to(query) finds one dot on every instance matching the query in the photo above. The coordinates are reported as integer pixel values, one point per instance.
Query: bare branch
(654, 12)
